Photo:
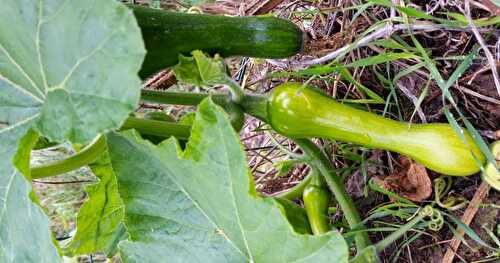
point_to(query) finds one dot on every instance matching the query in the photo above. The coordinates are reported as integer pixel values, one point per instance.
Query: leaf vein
(18, 87)
(19, 123)
(242, 230)
(181, 188)
(5, 197)
(37, 45)
(88, 56)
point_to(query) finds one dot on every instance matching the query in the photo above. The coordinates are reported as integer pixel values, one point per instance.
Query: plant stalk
(180, 98)
(90, 153)
(86, 156)
(255, 105)
(294, 192)
(321, 162)
(238, 95)
(157, 128)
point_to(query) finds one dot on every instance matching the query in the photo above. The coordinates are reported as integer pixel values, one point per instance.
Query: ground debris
(410, 180)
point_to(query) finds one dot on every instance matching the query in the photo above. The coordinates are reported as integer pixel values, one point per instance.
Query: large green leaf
(201, 70)
(71, 65)
(200, 205)
(161, 220)
(67, 69)
(99, 223)
(24, 228)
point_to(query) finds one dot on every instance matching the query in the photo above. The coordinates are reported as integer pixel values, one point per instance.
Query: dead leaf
(410, 181)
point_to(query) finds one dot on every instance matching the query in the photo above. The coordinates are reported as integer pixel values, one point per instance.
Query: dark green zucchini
(168, 34)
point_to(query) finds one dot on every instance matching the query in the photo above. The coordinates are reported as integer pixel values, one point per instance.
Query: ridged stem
(86, 156)
(90, 153)
(255, 105)
(294, 192)
(157, 128)
(321, 162)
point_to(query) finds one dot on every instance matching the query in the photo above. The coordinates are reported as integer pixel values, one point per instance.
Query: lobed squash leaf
(100, 220)
(200, 204)
(24, 228)
(68, 70)
(201, 70)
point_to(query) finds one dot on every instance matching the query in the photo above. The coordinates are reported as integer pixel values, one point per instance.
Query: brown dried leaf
(410, 181)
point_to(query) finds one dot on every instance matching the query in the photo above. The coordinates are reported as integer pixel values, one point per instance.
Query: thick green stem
(88, 155)
(321, 162)
(180, 98)
(294, 192)
(157, 128)
(255, 105)
(238, 95)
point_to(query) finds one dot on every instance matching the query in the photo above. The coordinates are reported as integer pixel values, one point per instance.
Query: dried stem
(469, 214)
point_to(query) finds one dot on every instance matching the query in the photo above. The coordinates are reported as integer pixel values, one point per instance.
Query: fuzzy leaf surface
(69, 65)
(99, 223)
(24, 227)
(68, 69)
(200, 204)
